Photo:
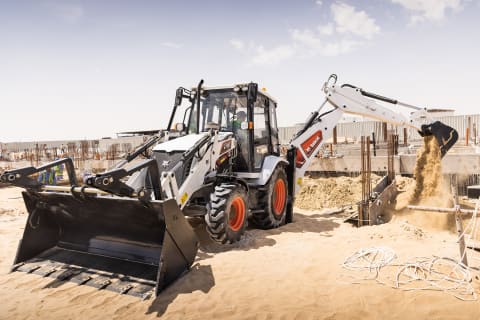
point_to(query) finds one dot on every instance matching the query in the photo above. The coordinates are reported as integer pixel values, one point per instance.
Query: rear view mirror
(252, 92)
(178, 96)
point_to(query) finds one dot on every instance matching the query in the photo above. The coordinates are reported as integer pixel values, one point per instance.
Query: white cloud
(272, 56)
(68, 12)
(306, 37)
(319, 2)
(351, 28)
(342, 46)
(349, 20)
(326, 29)
(307, 43)
(431, 10)
(172, 45)
(237, 44)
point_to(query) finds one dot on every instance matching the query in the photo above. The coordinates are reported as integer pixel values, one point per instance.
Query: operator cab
(242, 110)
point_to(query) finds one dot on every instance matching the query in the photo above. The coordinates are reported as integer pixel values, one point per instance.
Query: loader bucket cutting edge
(107, 242)
(446, 136)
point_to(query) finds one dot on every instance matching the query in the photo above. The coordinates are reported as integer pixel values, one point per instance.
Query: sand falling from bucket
(428, 171)
(428, 189)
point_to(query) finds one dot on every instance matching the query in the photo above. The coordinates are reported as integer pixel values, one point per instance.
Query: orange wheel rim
(237, 214)
(279, 196)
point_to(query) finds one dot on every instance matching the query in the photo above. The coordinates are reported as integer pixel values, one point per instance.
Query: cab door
(272, 120)
(261, 132)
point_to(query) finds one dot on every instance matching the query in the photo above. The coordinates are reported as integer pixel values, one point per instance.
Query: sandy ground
(293, 272)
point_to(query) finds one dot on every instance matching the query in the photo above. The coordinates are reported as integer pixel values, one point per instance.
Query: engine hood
(179, 144)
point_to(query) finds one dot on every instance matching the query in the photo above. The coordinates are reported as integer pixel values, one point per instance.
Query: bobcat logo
(312, 143)
(165, 164)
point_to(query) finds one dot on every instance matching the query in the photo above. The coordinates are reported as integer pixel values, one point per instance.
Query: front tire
(274, 202)
(227, 213)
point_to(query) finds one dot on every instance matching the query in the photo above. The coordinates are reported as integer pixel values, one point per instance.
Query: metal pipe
(199, 89)
(369, 170)
(437, 209)
(458, 224)
(467, 136)
(74, 189)
(461, 236)
(382, 98)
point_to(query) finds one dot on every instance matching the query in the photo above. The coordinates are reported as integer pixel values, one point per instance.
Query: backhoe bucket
(108, 242)
(446, 136)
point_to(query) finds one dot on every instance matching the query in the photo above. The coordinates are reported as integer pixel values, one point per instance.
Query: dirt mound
(334, 192)
(404, 183)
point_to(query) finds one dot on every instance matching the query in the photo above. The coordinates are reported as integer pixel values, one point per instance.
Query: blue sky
(74, 69)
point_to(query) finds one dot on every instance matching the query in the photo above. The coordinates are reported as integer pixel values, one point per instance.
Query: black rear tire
(227, 213)
(274, 201)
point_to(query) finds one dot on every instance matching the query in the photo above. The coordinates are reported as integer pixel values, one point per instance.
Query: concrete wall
(404, 164)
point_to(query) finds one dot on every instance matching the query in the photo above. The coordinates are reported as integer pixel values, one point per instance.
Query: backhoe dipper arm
(354, 100)
(350, 99)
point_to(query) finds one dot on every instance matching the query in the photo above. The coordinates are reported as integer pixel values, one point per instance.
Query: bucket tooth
(15, 267)
(100, 282)
(121, 287)
(81, 278)
(66, 274)
(30, 267)
(45, 272)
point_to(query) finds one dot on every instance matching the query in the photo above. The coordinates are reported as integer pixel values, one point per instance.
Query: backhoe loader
(127, 229)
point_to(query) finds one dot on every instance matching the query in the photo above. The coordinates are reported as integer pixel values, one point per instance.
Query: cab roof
(232, 87)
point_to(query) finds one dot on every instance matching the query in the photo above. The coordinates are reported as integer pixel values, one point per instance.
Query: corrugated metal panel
(350, 130)
(354, 130)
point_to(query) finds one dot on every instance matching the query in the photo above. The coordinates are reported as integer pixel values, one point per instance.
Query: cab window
(272, 108)
(260, 132)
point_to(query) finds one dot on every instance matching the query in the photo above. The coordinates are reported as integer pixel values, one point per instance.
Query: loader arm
(353, 100)
(23, 177)
(111, 181)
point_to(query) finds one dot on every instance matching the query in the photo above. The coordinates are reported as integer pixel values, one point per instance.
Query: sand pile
(335, 192)
(404, 183)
